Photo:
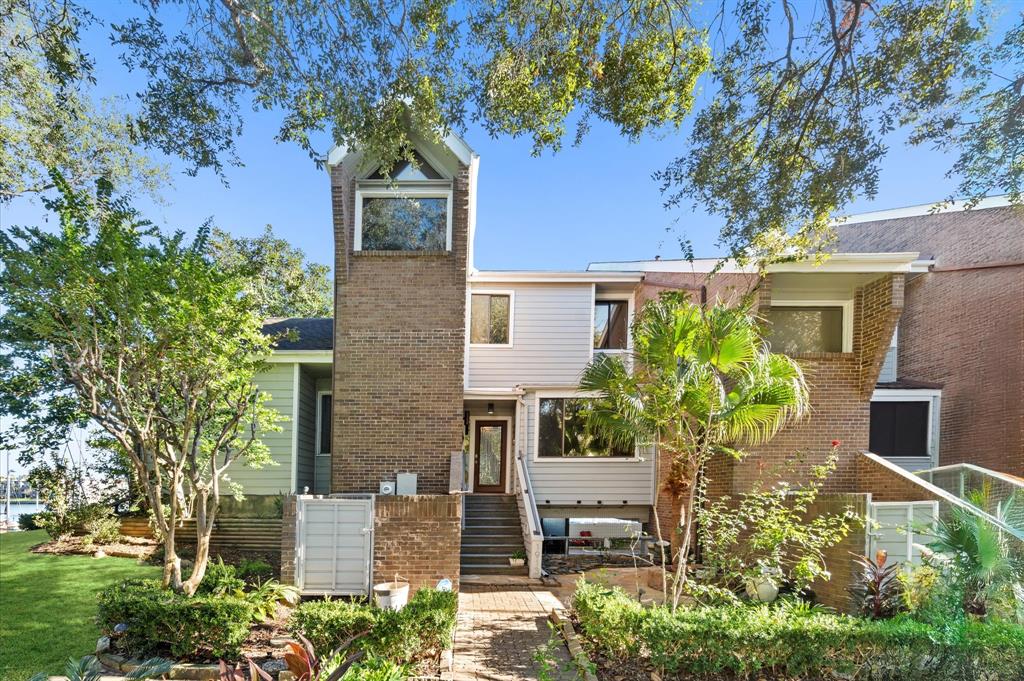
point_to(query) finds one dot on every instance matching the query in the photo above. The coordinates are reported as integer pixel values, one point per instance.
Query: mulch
(138, 548)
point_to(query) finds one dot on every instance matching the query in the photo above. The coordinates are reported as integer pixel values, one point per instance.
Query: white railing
(533, 538)
(1002, 495)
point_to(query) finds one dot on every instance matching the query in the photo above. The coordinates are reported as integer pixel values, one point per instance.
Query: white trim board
(301, 356)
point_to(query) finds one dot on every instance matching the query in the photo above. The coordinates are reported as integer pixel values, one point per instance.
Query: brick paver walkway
(500, 628)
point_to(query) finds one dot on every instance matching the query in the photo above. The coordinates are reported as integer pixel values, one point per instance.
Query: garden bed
(139, 548)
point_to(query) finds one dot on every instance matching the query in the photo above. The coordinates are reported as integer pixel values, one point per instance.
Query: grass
(47, 604)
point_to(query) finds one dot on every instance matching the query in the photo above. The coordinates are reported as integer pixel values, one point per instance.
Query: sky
(558, 211)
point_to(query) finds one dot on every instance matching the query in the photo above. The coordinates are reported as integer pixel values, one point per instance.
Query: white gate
(896, 527)
(334, 546)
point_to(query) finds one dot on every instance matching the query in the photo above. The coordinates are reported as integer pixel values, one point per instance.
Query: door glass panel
(489, 456)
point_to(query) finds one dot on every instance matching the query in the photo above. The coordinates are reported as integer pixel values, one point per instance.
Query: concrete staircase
(492, 533)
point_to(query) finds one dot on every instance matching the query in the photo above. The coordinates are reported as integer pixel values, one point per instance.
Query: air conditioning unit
(387, 487)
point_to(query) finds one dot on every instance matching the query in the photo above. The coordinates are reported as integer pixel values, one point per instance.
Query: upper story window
(900, 428)
(562, 431)
(410, 209)
(797, 329)
(611, 324)
(490, 319)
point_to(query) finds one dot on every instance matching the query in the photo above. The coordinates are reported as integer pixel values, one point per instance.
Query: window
(490, 319)
(562, 431)
(403, 221)
(323, 419)
(900, 428)
(611, 324)
(796, 330)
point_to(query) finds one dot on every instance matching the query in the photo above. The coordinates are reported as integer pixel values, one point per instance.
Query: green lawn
(47, 604)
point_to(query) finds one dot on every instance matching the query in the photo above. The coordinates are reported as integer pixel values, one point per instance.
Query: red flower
(836, 443)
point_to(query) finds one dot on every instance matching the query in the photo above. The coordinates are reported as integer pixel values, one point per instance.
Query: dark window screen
(899, 428)
(325, 424)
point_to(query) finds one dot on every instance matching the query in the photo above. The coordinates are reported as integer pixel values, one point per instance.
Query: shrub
(328, 623)
(102, 530)
(254, 570)
(795, 643)
(161, 622)
(877, 591)
(27, 521)
(221, 579)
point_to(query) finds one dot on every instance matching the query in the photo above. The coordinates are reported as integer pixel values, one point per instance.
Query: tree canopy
(792, 106)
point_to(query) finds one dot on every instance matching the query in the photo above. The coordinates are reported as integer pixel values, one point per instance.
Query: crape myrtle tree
(152, 342)
(702, 383)
(793, 106)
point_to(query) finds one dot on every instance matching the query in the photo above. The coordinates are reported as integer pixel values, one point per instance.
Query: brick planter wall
(288, 539)
(417, 537)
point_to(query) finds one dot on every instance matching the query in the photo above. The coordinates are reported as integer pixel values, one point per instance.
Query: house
(432, 430)
(952, 388)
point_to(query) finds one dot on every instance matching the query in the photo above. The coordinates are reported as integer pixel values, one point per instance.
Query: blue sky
(559, 211)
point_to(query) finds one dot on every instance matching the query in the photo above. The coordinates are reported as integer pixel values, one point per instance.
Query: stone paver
(499, 630)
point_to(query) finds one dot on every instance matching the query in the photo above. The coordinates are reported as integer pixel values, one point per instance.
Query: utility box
(406, 484)
(387, 487)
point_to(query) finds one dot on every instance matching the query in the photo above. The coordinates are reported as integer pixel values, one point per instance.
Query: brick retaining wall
(417, 537)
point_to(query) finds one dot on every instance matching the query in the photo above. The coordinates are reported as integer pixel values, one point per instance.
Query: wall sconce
(490, 408)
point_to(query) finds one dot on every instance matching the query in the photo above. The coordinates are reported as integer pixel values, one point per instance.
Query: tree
(154, 343)
(800, 101)
(279, 280)
(47, 115)
(703, 382)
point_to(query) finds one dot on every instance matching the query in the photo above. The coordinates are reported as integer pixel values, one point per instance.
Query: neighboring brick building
(962, 328)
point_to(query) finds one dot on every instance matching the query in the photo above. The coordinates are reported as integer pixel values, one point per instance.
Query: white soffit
(836, 263)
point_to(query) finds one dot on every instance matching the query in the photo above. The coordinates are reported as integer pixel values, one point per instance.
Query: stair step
(493, 570)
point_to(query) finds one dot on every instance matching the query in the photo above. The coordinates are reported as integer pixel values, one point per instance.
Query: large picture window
(403, 222)
(611, 324)
(798, 330)
(563, 431)
(490, 319)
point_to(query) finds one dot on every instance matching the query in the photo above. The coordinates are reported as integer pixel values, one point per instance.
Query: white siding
(586, 481)
(322, 479)
(551, 338)
(888, 371)
(279, 381)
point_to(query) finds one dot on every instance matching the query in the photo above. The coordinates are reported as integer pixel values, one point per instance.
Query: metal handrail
(526, 490)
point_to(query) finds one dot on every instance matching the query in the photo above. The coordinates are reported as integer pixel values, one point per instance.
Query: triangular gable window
(404, 170)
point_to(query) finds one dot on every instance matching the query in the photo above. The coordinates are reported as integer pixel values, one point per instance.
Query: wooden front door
(489, 460)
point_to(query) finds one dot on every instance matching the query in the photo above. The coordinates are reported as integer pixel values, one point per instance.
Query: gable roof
(311, 333)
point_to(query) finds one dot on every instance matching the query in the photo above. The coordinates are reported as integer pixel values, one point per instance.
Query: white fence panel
(335, 546)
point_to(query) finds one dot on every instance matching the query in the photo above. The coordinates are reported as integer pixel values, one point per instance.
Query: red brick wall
(399, 351)
(417, 537)
(886, 484)
(963, 325)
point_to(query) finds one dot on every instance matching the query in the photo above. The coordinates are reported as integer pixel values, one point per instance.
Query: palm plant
(978, 552)
(703, 382)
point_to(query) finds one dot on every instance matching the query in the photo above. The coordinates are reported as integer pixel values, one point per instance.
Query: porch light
(490, 408)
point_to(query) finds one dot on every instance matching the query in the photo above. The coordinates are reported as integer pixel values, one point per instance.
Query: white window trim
(384, 189)
(319, 419)
(545, 394)
(932, 397)
(846, 305)
(511, 316)
(509, 454)
(629, 300)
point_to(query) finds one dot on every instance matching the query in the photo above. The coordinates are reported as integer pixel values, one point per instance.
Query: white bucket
(391, 595)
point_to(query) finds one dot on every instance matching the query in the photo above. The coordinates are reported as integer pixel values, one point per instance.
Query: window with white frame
(408, 209)
(490, 319)
(563, 431)
(798, 329)
(611, 324)
(900, 428)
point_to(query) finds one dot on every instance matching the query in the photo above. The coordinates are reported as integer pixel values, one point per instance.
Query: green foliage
(772, 530)
(88, 668)
(28, 521)
(222, 579)
(266, 595)
(877, 591)
(976, 556)
(59, 484)
(376, 669)
(327, 623)
(702, 383)
(158, 346)
(161, 622)
(786, 641)
(423, 628)
(254, 570)
(102, 530)
(279, 279)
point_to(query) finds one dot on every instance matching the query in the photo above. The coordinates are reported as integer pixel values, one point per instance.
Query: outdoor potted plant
(762, 583)
(517, 559)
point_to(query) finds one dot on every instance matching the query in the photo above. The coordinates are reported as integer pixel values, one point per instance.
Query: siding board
(278, 381)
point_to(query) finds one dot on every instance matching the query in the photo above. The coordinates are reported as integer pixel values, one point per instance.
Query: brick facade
(963, 325)
(399, 352)
(289, 540)
(418, 538)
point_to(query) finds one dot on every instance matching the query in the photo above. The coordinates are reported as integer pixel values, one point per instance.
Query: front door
(489, 466)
